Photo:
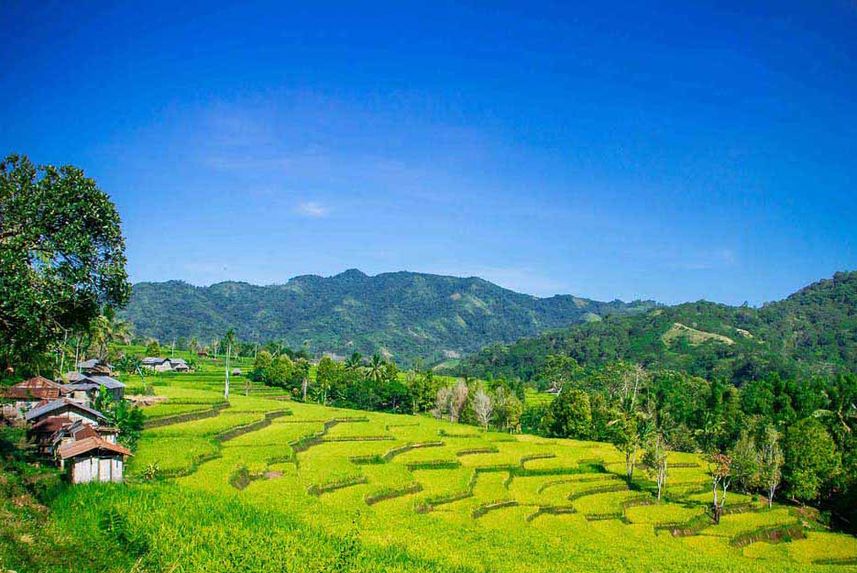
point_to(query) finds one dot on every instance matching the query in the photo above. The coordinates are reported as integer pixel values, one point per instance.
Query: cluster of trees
(219, 346)
(374, 384)
(496, 406)
(282, 371)
(377, 384)
(62, 258)
(773, 436)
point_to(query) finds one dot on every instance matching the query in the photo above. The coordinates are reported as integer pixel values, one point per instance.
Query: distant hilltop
(402, 315)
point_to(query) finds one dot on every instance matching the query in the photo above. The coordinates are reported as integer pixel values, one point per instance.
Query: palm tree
(107, 329)
(354, 362)
(376, 368)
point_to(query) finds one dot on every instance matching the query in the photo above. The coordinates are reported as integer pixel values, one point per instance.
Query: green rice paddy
(296, 486)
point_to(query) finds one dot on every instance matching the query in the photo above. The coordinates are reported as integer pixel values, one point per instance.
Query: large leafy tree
(812, 462)
(62, 256)
(569, 416)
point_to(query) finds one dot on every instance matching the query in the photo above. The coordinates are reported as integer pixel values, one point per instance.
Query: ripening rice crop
(324, 489)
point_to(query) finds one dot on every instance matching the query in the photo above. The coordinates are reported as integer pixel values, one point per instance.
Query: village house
(66, 408)
(165, 364)
(95, 366)
(66, 430)
(49, 419)
(54, 432)
(86, 388)
(27, 394)
(78, 430)
(93, 459)
(157, 364)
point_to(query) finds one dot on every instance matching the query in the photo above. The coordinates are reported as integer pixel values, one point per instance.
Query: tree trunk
(226, 386)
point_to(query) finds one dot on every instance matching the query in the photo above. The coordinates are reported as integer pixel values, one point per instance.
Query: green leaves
(62, 256)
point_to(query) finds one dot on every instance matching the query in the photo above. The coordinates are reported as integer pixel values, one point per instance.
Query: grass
(347, 500)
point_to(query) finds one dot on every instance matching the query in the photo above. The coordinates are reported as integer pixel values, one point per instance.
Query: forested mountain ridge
(813, 331)
(403, 315)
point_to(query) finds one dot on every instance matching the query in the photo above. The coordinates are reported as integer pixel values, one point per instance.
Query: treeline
(378, 385)
(776, 436)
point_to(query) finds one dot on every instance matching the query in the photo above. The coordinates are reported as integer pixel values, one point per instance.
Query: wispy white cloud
(312, 209)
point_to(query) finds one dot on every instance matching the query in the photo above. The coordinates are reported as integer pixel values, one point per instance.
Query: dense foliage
(403, 315)
(813, 331)
(62, 257)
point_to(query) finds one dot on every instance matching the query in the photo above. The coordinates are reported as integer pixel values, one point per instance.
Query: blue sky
(672, 151)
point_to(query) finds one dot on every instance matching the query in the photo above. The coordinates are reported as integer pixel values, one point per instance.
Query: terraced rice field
(461, 499)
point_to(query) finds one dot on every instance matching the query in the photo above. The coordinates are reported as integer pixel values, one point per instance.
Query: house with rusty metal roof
(27, 394)
(93, 459)
(35, 389)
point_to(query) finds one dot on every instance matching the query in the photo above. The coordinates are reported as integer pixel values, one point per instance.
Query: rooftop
(87, 382)
(36, 387)
(59, 404)
(90, 444)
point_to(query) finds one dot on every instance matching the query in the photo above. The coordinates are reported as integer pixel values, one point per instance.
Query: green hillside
(813, 331)
(402, 315)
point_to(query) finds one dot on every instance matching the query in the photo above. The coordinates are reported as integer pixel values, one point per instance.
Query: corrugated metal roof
(86, 382)
(86, 445)
(107, 382)
(36, 387)
(40, 411)
(51, 424)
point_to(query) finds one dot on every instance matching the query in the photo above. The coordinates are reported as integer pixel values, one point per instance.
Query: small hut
(157, 363)
(95, 366)
(93, 459)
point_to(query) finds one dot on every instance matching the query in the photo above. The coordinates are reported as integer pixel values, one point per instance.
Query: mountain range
(402, 315)
(812, 332)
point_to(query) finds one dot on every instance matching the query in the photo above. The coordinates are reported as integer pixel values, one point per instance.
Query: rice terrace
(428, 287)
(270, 484)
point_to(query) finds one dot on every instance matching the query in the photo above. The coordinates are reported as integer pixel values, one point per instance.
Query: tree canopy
(62, 256)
